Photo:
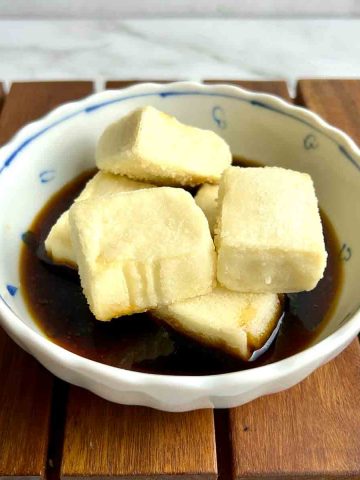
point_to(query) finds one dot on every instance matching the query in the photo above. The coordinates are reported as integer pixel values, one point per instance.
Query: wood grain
(2, 97)
(104, 439)
(128, 83)
(274, 87)
(28, 101)
(313, 429)
(25, 392)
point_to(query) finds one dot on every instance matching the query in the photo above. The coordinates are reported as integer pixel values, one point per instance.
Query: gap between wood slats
(56, 430)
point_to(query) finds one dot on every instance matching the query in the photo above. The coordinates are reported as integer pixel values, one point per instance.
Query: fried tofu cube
(152, 146)
(206, 198)
(237, 323)
(269, 236)
(141, 249)
(58, 243)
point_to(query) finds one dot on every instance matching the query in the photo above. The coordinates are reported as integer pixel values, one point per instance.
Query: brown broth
(139, 342)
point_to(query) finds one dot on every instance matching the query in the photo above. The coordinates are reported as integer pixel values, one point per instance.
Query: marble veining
(179, 49)
(174, 8)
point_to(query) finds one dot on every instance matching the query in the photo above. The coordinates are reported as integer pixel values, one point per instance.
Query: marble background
(167, 8)
(179, 49)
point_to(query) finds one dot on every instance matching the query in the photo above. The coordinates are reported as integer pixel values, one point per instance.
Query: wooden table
(51, 429)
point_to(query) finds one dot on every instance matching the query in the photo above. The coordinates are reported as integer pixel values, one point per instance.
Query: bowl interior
(47, 155)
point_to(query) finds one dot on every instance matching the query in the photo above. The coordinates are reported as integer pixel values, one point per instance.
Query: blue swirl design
(11, 289)
(310, 142)
(218, 115)
(46, 176)
(345, 253)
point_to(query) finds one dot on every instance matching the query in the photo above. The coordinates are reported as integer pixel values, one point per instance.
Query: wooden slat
(26, 388)
(2, 97)
(273, 87)
(128, 83)
(313, 429)
(104, 439)
(29, 101)
(113, 84)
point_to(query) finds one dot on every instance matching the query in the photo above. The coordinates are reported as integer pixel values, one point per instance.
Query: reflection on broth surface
(141, 342)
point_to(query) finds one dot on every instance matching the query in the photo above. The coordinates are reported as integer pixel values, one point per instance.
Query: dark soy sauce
(139, 342)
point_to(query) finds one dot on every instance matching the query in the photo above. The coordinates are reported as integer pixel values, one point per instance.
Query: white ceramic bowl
(46, 154)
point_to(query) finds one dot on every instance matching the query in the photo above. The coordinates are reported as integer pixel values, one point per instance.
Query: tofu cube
(141, 249)
(206, 198)
(152, 146)
(237, 323)
(269, 235)
(58, 243)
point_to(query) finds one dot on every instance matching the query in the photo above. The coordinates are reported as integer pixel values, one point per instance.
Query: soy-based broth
(141, 342)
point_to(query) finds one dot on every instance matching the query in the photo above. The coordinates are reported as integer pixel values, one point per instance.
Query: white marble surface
(184, 8)
(178, 49)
